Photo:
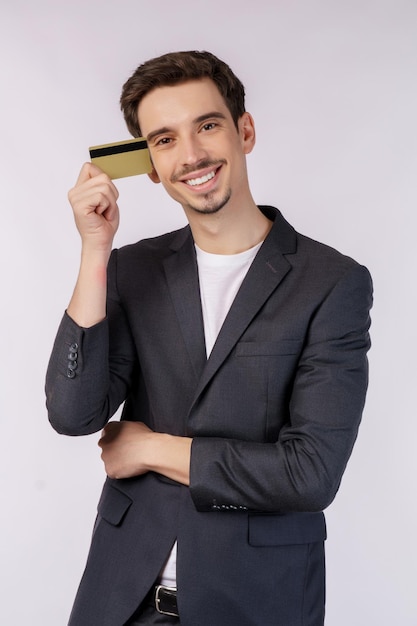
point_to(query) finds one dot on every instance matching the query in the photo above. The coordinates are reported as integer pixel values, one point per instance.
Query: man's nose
(191, 150)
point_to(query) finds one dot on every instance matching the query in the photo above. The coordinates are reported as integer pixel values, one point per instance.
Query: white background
(332, 88)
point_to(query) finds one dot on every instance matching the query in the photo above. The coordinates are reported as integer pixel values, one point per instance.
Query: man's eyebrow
(155, 133)
(197, 120)
(213, 114)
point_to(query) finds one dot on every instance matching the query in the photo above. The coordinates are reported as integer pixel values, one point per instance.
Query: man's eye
(163, 141)
(209, 126)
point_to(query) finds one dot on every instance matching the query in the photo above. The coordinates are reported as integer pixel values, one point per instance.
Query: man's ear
(247, 132)
(154, 176)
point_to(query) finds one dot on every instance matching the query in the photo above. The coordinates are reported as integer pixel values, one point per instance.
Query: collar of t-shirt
(220, 277)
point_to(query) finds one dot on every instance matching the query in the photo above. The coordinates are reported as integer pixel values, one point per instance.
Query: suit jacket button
(70, 373)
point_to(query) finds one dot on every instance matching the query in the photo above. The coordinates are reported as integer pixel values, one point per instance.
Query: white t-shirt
(220, 278)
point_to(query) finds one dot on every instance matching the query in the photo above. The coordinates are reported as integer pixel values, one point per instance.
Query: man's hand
(94, 202)
(124, 448)
(131, 449)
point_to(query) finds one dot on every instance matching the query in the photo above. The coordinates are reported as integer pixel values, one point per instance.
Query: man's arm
(131, 448)
(302, 470)
(94, 203)
(83, 329)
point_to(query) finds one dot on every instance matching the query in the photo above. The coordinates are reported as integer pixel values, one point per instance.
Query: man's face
(197, 151)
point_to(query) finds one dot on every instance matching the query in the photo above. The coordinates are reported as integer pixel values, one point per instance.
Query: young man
(238, 348)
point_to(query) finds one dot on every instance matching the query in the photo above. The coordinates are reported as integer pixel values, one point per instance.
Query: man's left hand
(132, 448)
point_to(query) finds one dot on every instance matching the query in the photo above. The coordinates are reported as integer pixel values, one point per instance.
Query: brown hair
(179, 67)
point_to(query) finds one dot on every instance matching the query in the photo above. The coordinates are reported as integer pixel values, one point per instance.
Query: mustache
(188, 169)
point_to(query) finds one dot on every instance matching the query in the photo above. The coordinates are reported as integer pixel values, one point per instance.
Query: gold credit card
(123, 158)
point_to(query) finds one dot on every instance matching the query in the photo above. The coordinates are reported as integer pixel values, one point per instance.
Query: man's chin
(210, 206)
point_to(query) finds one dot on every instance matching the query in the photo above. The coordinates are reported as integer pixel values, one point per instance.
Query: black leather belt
(165, 599)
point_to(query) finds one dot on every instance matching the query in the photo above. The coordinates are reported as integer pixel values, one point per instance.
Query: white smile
(200, 181)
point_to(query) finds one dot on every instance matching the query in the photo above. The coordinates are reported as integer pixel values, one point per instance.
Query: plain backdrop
(332, 88)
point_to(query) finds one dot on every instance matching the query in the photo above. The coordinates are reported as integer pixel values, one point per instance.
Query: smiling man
(237, 348)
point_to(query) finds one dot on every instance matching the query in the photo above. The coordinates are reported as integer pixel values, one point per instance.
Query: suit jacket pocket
(113, 505)
(272, 365)
(284, 530)
(269, 348)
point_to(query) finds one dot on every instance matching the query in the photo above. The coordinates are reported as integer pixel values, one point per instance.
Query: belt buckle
(170, 591)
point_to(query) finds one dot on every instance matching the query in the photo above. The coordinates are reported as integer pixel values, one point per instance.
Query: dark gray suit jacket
(274, 414)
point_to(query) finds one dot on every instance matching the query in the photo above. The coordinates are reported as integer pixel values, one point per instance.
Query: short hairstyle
(180, 67)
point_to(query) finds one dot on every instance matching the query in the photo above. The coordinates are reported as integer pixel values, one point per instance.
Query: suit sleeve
(90, 370)
(302, 470)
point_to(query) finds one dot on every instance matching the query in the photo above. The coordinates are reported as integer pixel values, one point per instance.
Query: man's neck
(230, 232)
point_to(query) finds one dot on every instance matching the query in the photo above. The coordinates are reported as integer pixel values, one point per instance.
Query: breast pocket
(248, 397)
(275, 363)
(284, 347)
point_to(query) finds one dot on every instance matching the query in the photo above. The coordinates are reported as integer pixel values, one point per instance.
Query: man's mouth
(201, 180)
(201, 174)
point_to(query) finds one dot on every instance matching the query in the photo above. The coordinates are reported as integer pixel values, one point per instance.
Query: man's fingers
(91, 176)
(97, 194)
(109, 432)
(88, 170)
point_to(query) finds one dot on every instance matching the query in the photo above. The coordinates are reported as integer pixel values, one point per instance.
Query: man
(238, 348)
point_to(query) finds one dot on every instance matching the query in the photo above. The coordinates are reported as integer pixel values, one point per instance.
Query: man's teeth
(200, 181)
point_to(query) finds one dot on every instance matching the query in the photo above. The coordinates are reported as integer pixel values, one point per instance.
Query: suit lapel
(268, 269)
(182, 277)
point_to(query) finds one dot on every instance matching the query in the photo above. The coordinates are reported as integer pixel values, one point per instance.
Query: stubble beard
(210, 205)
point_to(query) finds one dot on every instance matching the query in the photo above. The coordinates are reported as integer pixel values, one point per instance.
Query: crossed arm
(300, 471)
(131, 448)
